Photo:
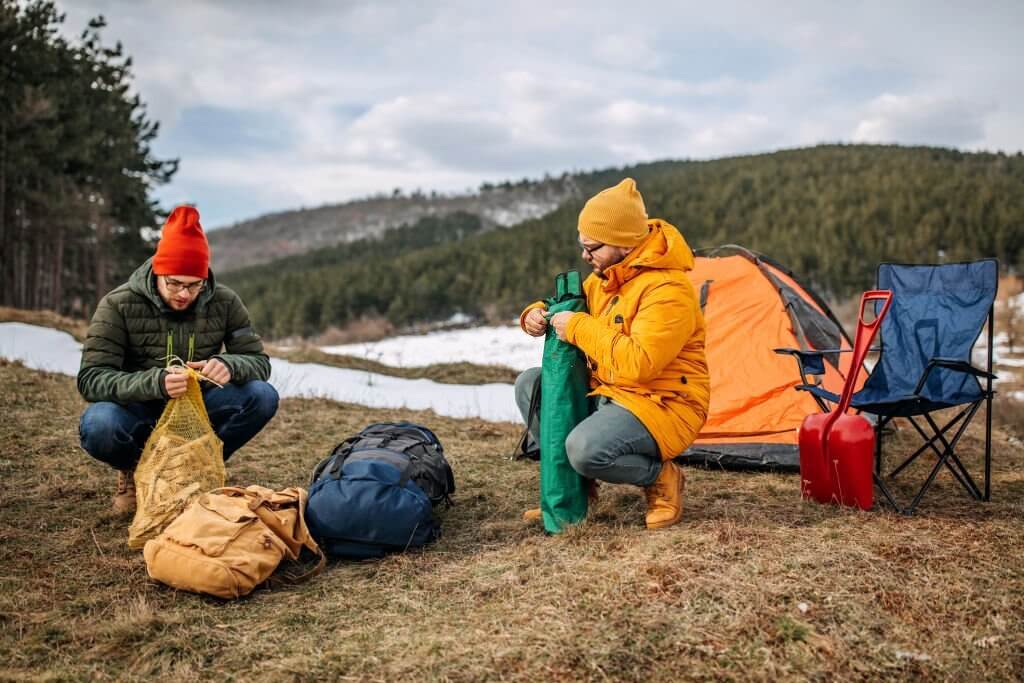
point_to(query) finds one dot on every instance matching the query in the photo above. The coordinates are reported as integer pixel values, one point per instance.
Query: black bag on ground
(376, 491)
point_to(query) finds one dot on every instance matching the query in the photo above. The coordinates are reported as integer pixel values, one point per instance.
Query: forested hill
(830, 213)
(288, 233)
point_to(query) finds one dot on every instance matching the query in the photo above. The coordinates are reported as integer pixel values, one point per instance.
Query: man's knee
(98, 428)
(525, 383)
(585, 454)
(262, 398)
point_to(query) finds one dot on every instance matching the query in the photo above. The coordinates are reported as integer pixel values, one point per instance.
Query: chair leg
(988, 436)
(965, 480)
(928, 482)
(929, 441)
(877, 475)
(943, 460)
(888, 496)
(879, 426)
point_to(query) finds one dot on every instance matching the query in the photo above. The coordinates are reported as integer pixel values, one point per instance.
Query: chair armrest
(822, 352)
(949, 364)
(808, 362)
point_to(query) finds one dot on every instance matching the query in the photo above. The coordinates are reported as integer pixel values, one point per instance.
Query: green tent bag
(563, 405)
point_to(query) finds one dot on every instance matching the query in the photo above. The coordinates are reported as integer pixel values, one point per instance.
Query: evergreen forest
(829, 213)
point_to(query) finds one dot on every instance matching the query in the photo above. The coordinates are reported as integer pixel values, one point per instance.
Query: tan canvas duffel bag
(230, 540)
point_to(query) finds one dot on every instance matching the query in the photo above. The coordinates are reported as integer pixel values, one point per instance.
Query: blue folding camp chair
(937, 314)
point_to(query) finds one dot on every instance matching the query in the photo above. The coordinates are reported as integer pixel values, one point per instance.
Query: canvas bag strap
(287, 498)
(261, 500)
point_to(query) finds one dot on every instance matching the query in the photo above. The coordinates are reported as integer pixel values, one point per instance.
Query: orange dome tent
(752, 306)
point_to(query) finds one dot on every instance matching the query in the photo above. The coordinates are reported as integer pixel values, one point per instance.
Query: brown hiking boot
(665, 497)
(124, 497)
(534, 514)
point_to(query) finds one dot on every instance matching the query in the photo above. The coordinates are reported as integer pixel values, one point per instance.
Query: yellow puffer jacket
(644, 339)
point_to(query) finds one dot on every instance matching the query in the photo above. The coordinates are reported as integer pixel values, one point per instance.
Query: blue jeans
(611, 445)
(116, 434)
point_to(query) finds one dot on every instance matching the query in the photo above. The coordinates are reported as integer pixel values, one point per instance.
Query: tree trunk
(35, 298)
(21, 264)
(56, 288)
(5, 250)
(102, 254)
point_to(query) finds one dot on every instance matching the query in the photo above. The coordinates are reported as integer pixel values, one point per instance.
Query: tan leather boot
(534, 514)
(665, 497)
(124, 497)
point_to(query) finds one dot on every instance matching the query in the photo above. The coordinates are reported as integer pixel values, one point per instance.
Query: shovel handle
(861, 345)
(883, 295)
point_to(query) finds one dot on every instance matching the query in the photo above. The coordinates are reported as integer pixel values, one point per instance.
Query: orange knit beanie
(615, 216)
(183, 249)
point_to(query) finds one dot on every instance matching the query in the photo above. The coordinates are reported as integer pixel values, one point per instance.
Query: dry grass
(446, 373)
(364, 329)
(752, 585)
(73, 326)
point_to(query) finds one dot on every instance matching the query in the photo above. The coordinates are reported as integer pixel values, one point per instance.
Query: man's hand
(560, 321)
(175, 382)
(535, 323)
(214, 369)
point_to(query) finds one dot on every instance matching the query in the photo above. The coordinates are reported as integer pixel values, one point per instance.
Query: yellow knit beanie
(615, 216)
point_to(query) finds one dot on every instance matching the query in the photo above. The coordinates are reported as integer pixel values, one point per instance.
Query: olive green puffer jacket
(130, 334)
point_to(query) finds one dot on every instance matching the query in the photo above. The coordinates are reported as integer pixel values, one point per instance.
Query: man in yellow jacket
(644, 341)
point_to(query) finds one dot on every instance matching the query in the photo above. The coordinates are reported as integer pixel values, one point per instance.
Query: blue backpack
(375, 493)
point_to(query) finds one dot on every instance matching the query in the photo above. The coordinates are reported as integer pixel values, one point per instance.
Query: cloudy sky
(273, 105)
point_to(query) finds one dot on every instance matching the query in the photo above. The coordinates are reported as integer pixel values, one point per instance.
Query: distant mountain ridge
(290, 233)
(830, 213)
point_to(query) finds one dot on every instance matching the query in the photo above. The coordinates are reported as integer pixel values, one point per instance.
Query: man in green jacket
(170, 306)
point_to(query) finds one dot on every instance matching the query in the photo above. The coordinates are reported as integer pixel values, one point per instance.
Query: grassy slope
(718, 596)
(445, 373)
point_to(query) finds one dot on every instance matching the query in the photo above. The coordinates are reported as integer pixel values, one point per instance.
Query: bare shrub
(73, 326)
(364, 329)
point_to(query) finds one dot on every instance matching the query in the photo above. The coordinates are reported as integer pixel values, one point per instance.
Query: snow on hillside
(504, 345)
(43, 348)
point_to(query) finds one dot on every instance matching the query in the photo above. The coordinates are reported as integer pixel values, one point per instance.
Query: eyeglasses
(192, 287)
(590, 250)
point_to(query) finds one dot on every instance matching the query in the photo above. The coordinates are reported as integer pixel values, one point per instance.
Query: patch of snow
(507, 216)
(42, 348)
(1000, 340)
(495, 345)
(459, 318)
(493, 402)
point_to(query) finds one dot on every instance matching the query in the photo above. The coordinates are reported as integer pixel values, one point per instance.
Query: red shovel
(837, 451)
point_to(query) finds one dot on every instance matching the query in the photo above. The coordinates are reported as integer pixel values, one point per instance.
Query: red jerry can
(837, 451)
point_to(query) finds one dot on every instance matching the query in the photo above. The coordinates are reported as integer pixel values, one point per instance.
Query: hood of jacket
(665, 248)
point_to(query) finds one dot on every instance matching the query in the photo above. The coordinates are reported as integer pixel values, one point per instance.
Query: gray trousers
(610, 445)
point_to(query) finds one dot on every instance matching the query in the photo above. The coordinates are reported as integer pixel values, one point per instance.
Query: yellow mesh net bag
(182, 459)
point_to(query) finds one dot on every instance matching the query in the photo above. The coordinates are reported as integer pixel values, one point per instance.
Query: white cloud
(370, 96)
(925, 119)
